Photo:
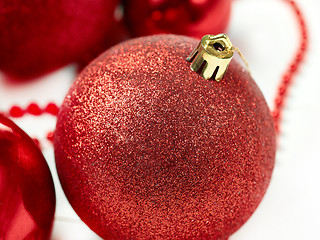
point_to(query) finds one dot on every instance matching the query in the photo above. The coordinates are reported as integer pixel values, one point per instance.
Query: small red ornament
(40, 36)
(194, 18)
(148, 149)
(27, 197)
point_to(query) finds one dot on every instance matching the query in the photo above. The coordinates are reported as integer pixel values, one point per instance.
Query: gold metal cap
(213, 55)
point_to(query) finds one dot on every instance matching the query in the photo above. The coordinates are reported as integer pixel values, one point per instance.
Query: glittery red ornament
(148, 149)
(194, 18)
(27, 197)
(42, 35)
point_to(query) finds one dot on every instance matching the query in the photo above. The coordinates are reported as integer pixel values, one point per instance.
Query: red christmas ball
(27, 196)
(41, 36)
(147, 149)
(194, 18)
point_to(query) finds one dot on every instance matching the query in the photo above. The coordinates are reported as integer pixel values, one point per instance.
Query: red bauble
(148, 149)
(27, 197)
(42, 35)
(194, 18)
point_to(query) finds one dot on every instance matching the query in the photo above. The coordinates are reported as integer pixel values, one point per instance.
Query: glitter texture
(147, 149)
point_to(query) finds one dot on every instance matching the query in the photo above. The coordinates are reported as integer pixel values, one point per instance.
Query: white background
(266, 32)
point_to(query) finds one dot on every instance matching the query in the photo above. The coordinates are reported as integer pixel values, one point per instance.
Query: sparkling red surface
(42, 35)
(27, 197)
(147, 149)
(194, 18)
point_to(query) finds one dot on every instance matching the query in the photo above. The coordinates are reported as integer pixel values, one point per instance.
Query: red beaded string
(288, 76)
(282, 91)
(33, 109)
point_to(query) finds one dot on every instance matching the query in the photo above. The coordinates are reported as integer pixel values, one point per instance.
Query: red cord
(289, 74)
(33, 109)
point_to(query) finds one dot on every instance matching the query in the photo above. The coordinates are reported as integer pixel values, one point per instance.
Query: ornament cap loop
(212, 56)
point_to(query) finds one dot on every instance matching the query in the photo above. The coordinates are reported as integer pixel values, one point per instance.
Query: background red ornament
(146, 148)
(43, 35)
(27, 195)
(194, 18)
